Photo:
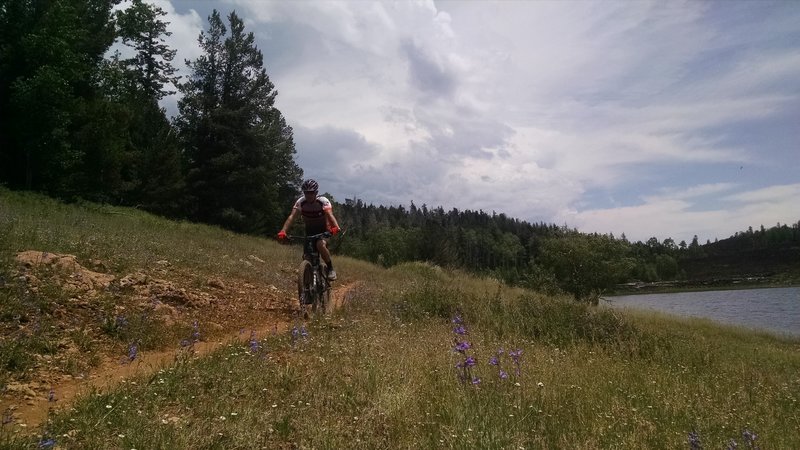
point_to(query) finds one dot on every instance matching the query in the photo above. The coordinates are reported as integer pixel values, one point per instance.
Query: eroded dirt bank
(89, 305)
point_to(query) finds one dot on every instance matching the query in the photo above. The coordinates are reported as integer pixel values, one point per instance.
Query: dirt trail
(33, 411)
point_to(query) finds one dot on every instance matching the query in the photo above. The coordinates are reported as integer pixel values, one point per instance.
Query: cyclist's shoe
(331, 275)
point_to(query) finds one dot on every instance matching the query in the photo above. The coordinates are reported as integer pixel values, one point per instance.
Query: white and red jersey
(313, 213)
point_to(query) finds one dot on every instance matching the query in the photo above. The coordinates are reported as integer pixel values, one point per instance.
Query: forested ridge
(80, 123)
(556, 258)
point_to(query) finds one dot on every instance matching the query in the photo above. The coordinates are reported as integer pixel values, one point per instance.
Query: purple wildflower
(476, 381)
(303, 331)
(121, 322)
(46, 443)
(195, 331)
(460, 330)
(133, 351)
(731, 445)
(515, 356)
(494, 361)
(254, 346)
(469, 362)
(185, 343)
(462, 346)
(750, 439)
(458, 320)
(295, 334)
(503, 374)
(694, 441)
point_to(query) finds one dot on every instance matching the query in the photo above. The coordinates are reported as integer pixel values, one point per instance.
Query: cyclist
(317, 213)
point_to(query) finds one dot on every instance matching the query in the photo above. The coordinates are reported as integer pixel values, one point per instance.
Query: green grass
(382, 372)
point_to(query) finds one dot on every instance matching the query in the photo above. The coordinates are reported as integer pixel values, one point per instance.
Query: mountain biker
(317, 213)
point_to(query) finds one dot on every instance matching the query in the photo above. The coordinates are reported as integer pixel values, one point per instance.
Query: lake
(775, 309)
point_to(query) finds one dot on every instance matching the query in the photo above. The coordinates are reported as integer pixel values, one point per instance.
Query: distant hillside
(758, 263)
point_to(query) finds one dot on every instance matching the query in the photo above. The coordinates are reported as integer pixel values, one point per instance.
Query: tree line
(78, 123)
(536, 255)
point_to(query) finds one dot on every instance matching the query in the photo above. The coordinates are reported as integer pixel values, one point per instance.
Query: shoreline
(672, 287)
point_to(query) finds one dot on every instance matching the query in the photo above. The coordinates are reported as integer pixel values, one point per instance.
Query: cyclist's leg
(322, 248)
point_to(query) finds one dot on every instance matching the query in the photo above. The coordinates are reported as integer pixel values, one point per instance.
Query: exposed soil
(227, 310)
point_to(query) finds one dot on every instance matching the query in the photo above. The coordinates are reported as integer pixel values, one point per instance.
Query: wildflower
(185, 343)
(133, 350)
(750, 439)
(503, 374)
(694, 441)
(494, 361)
(195, 331)
(47, 443)
(515, 355)
(462, 346)
(731, 445)
(253, 342)
(465, 372)
(295, 333)
(303, 331)
(121, 322)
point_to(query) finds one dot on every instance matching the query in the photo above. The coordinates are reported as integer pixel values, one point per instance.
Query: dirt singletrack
(27, 405)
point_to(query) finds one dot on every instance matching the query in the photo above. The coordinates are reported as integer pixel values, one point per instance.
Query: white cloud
(536, 109)
(672, 214)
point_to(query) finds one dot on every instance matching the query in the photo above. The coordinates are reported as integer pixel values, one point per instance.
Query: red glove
(334, 230)
(281, 235)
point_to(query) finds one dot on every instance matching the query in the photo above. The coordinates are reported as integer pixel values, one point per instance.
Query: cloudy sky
(665, 119)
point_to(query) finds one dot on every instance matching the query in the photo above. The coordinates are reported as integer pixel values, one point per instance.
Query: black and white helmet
(310, 186)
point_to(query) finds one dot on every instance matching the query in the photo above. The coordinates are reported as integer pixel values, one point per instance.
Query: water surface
(776, 309)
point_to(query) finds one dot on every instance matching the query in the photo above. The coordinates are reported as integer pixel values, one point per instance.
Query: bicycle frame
(315, 291)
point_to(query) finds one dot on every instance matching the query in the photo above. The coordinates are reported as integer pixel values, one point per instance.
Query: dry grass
(382, 373)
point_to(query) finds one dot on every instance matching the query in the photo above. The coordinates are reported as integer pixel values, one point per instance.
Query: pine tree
(152, 170)
(49, 58)
(240, 150)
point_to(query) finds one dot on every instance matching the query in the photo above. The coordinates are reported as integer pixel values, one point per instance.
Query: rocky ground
(95, 329)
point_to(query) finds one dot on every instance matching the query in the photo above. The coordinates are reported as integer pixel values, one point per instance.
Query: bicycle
(313, 286)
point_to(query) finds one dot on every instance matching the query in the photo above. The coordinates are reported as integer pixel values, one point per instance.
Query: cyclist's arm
(290, 219)
(331, 219)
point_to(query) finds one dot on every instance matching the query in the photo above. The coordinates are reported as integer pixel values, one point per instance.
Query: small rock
(216, 283)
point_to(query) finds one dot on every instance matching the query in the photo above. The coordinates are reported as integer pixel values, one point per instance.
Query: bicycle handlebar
(324, 234)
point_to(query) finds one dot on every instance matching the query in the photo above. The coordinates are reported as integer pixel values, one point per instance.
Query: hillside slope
(92, 293)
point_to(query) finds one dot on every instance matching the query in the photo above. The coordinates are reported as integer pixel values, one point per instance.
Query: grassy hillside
(417, 356)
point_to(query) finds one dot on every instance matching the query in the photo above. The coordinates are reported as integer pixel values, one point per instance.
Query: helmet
(310, 186)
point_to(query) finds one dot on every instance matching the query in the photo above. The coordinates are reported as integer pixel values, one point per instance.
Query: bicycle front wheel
(325, 294)
(305, 291)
